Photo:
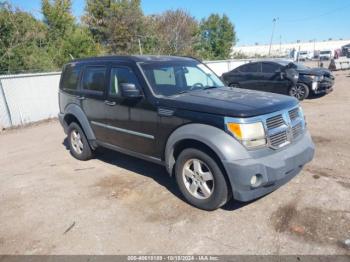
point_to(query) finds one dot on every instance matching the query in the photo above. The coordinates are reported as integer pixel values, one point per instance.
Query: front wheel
(201, 180)
(299, 91)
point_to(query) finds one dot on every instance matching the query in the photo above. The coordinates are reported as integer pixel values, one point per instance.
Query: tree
(96, 17)
(23, 45)
(58, 18)
(177, 32)
(66, 39)
(115, 24)
(217, 37)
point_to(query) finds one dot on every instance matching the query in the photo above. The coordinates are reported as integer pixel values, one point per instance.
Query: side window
(250, 68)
(94, 78)
(270, 68)
(164, 76)
(70, 77)
(121, 75)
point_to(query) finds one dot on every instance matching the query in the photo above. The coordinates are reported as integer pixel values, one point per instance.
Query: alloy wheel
(298, 92)
(198, 179)
(76, 141)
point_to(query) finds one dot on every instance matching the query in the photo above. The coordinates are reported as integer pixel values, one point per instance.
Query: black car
(217, 142)
(280, 76)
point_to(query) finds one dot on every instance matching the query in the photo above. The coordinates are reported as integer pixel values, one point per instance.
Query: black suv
(217, 141)
(282, 77)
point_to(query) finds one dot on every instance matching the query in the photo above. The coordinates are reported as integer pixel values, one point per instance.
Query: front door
(92, 94)
(131, 123)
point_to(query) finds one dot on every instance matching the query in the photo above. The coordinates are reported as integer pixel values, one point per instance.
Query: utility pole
(140, 47)
(273, 31)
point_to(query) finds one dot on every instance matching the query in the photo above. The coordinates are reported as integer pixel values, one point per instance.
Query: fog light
(255, 181)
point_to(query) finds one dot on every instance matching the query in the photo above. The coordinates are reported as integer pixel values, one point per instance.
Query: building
(284, 49)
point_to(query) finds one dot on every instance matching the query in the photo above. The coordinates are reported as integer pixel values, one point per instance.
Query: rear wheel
(78, 144)
(201, 180)
(299, 91)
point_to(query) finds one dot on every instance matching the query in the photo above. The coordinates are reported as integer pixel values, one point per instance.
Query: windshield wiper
(209, 87)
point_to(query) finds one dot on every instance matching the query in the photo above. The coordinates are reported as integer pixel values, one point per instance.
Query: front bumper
(324, 87)
(274, 167)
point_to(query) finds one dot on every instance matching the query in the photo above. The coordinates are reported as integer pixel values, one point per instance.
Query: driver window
(121, 75)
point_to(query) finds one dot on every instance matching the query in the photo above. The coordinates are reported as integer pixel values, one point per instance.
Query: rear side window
(121, 75)
(94, 78)
(70, 77)
(270, 68)
(250, 68)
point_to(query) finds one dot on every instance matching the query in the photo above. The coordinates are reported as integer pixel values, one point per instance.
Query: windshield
(171, 78)
(325, 52)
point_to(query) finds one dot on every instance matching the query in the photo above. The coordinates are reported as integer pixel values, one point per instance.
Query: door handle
(80, 97)
(110, 103)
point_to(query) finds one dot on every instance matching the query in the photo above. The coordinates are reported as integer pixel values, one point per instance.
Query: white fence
(28, 98)
(223, 66)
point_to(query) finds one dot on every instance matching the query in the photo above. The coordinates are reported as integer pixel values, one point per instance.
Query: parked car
(326, 55)
(218, 142)
(266, 76)
(305, 55)
(273, 76)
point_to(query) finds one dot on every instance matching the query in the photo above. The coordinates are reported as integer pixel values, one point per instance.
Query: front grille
(284, 127)
(274, 122)
(297, 130)
(278, 139)
(294, 114)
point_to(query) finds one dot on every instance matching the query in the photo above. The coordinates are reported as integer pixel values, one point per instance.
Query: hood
(233, 102)
(318, 71)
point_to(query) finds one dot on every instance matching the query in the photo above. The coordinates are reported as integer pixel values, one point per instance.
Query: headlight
(316, 78)
(250, 135)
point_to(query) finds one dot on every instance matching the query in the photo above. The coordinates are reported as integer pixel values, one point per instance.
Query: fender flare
(78, 113)
(225, 146)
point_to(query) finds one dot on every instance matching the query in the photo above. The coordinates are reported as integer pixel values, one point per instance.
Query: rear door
(251, 76)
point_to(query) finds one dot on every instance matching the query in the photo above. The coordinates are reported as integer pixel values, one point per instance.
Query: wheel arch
(217, 142)
(73, 113)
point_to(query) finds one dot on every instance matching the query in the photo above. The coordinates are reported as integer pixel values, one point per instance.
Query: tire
(299, 91)
(203, 186)
(78, 144)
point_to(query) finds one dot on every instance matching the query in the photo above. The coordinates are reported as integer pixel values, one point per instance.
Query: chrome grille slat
(293, 114)
(297, 130)
(278, 139)
(274, 122)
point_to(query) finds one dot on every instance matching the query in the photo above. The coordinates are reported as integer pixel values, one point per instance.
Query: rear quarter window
(70, 77)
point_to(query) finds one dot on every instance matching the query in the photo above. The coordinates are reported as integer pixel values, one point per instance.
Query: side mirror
(130, 91)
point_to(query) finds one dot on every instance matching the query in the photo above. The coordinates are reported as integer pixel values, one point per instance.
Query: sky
(302, 20)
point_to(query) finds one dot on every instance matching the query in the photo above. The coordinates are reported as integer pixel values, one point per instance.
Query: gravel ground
(51, 203)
